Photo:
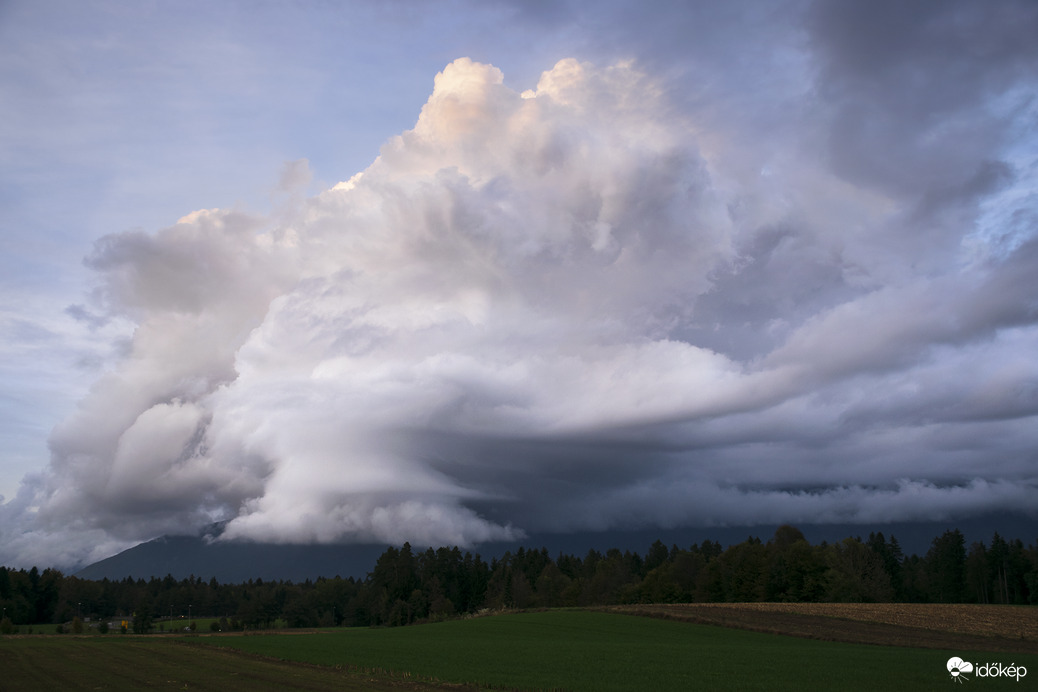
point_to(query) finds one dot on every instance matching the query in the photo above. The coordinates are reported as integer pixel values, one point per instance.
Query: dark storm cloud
(911, 86)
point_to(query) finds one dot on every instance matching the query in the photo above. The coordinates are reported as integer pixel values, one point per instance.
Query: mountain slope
(232, 562)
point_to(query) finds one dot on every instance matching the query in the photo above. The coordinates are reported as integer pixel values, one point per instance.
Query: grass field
(129, 664)
(203, 624)
(572, 650)
(580, 650)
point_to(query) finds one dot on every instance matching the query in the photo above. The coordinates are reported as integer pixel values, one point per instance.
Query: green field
(578, 650)
(572, 650)
(118, 663)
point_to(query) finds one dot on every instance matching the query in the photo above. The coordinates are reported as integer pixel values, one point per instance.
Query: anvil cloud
(621, 297)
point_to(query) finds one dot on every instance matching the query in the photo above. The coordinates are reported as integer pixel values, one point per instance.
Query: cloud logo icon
(957, 667)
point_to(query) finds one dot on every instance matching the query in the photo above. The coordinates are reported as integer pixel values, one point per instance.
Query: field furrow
(932, 626)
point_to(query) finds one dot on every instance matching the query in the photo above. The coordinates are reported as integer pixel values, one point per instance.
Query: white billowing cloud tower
(512, 265)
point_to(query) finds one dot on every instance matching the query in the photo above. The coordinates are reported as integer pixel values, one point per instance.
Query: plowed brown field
(934, 626)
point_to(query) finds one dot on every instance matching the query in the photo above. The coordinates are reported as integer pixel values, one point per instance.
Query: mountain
(235, 562)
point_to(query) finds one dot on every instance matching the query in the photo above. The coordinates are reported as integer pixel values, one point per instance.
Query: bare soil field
(999, 628)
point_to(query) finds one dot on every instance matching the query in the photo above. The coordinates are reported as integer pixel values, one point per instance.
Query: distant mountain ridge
(234, 562)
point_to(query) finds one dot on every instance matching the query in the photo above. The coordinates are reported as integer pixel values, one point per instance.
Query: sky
(459, 272)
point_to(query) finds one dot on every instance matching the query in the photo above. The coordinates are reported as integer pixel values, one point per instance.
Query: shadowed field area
(139, 663)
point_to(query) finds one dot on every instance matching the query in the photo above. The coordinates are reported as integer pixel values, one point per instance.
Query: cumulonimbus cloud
(514, 320)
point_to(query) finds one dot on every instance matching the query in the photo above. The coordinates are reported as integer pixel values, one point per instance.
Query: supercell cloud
(590, 305)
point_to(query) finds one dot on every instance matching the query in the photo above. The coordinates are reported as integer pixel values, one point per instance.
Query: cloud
(591, 304)
(269, 365)
(672, 504)
(458, 285)
(912, 90)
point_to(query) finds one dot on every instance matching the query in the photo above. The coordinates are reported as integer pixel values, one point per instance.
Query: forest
(407, 586)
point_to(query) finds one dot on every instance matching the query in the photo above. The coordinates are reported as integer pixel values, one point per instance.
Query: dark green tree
(892, 557)
(657, 555)
(795, 568)
(142, 619)
(978, 574)
(743, 571)
(945, 568)
(855, 574)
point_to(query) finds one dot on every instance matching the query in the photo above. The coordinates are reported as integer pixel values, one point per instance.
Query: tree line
(407, 586)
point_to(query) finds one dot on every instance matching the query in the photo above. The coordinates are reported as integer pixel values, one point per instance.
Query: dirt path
(1008, 629)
